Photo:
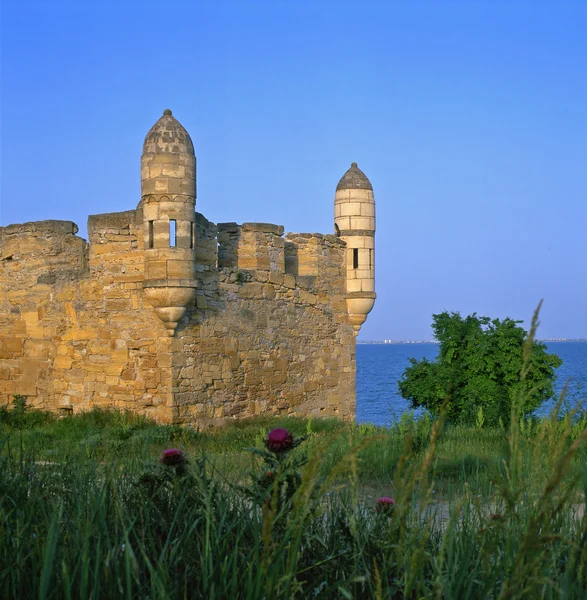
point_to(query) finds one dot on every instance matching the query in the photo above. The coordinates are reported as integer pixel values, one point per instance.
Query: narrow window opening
(336, 230)
(172, 233)
(150, 240)
(192, 234)
(355, 258)
(370, 258)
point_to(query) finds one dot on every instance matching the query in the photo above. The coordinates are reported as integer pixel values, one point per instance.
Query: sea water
(380, 366)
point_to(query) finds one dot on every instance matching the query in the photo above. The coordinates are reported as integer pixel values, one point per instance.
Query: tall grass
(119, 525)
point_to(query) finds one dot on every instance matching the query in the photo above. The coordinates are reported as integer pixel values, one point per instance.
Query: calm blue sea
(379, 366)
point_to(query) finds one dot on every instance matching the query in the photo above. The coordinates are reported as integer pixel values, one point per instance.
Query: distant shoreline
(412, 342)
(390, 343)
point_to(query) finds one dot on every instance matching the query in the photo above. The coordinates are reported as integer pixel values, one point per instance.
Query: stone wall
(267, 334)
(263, 341)
(38, 263)
(75, 332)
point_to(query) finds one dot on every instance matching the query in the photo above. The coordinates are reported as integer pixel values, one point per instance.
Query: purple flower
(385, 504)
(172, 457)
(279, 440)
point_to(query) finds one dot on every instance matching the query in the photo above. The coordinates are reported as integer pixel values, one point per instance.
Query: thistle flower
(279, 440)
(385, 504)
(172, 457)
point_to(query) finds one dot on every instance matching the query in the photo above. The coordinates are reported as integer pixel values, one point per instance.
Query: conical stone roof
(168, 135)
(354, 179)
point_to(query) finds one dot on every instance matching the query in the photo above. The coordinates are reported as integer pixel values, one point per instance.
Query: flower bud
(172, 457)
(385, 504)
(279, 440)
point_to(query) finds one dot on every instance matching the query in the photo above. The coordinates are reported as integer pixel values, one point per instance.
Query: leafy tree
(478, 366)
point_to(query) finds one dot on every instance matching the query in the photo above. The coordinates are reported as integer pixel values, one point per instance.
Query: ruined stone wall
(38, 261)
(262, 340)
(75, 332)
(267, 334)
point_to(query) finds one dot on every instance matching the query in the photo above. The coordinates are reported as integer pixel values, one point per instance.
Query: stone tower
(354, 222)
(168, 200)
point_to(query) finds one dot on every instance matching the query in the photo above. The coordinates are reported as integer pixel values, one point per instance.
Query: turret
(354, 222)
(168, 199)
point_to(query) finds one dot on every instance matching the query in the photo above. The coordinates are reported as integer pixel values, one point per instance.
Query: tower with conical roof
(354, 222)
(168, 200)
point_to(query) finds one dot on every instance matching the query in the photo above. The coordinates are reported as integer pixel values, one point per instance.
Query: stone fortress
(167, 314)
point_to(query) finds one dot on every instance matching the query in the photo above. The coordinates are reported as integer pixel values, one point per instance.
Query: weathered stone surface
(73, 323)
(263, 228)
(77, 330)
(354, 223)
(354, 178)
(167, 314)
(110, 223)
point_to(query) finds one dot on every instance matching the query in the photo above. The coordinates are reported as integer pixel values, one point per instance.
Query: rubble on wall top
(263, 228)
(45, 227)
(117, 220)
(326, 238)
(230, 227)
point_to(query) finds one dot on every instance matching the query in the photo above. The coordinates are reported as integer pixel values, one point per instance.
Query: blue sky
(469, 117)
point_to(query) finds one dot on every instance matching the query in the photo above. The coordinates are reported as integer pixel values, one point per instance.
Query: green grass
(86, 511)
(463, 454)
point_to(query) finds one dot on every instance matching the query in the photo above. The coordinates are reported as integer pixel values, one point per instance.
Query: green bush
(478, 371)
